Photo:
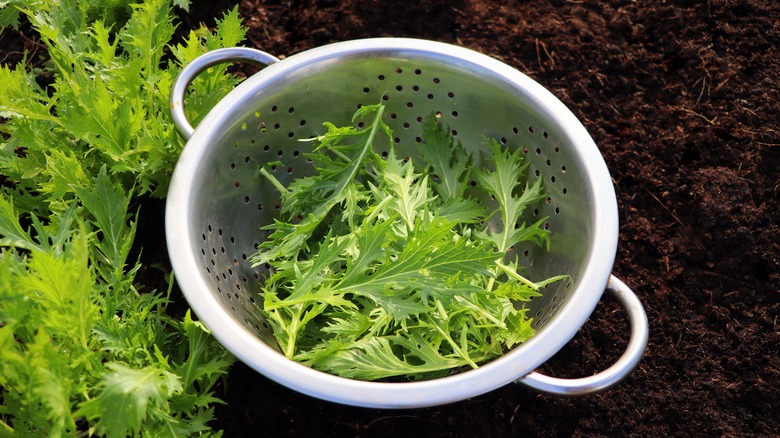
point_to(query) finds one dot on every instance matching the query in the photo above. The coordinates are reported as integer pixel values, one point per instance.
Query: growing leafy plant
(378, 270)
(84, 349)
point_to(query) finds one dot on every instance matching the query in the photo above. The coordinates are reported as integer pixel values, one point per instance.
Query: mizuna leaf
(449, 160)
(184, 4)
(423, 269)
(21, 97)
(127, 396)
(64, 281)
(11, 231)
(314, 197)
(505, 183)
(205, 360)
(410, 195)
(308, 295)
(371, 242)
(9, 13)
(108, 205)
(375, 358)
(462, 211)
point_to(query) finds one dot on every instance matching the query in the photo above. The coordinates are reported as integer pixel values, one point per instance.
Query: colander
(217, 203)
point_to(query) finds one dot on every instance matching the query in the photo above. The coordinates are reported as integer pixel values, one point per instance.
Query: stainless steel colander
(217, 203)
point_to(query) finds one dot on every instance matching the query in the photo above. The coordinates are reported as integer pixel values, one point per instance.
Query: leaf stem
(292, 332)
(378, 208)
(462, 354)
(5, 428)
(272, 179)
(479, 310)
(442, 311)
(513, 274)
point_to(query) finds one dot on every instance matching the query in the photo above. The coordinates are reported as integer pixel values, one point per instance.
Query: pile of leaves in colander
(385, 267)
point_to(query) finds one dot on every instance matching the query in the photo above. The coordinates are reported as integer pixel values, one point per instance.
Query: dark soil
(683, 99)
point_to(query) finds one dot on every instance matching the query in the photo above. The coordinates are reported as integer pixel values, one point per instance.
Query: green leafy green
(127, 395)
(409, 287)
(333, 185)
(504, 184)
(85, 348)
(109, 101)
(448, 158)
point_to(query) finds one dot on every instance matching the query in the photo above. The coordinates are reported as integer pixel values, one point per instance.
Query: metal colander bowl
(217, 203)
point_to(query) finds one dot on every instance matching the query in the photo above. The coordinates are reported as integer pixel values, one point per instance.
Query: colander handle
(200, 64)
(620, 369)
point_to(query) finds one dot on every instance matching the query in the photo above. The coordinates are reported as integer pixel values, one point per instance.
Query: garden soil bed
(683, 99)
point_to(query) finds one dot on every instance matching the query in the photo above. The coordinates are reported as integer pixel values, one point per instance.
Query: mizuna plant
(84, 349)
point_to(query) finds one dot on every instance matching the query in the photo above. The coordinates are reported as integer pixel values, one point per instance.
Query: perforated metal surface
(218, 202)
